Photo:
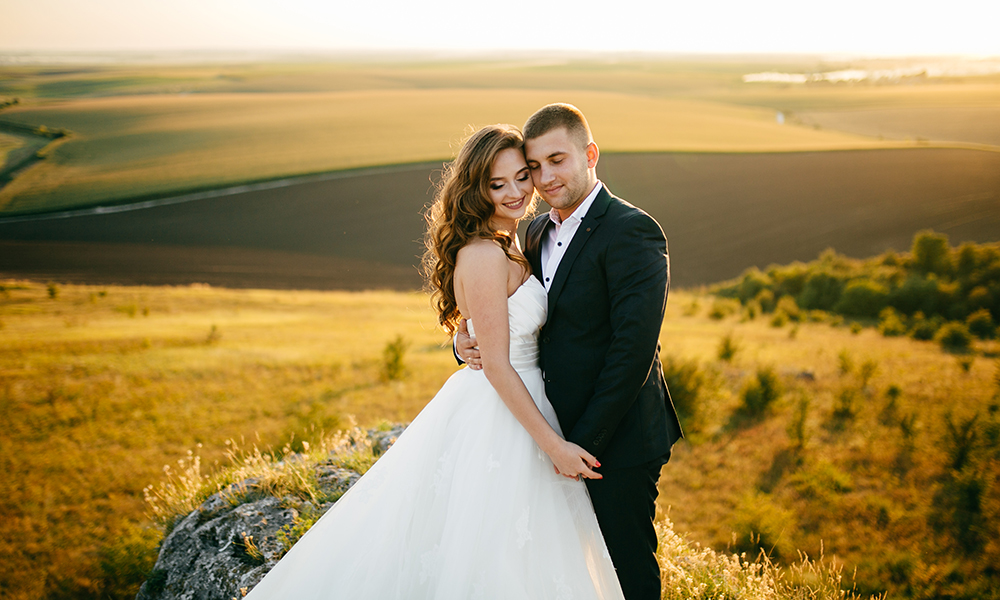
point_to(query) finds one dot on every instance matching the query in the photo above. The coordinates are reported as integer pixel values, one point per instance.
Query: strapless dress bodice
(526, 310)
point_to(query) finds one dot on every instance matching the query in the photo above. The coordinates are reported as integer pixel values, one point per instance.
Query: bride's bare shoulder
(481, 254)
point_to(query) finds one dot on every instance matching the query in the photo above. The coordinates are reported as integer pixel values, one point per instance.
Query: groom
(604, 264)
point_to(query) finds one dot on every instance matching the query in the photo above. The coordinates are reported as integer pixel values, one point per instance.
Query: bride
(481, 496)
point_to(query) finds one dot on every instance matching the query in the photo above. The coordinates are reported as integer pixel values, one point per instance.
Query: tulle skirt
(463, 506)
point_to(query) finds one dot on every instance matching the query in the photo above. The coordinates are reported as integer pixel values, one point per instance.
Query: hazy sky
(890, 27)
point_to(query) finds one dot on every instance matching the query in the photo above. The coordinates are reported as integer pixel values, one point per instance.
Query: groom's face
(561, 168)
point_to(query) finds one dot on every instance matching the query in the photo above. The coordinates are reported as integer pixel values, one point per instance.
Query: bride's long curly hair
(461, 213)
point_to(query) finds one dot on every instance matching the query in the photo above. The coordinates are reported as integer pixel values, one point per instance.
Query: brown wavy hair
(461, 213)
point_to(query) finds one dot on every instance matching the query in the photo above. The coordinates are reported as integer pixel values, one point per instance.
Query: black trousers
(625, 503)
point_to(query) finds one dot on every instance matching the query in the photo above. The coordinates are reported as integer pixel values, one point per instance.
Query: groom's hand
(466, 348)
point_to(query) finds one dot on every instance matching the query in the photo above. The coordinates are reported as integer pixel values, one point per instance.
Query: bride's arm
(481, 272)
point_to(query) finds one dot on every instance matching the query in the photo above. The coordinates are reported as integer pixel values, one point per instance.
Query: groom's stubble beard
(574, 190)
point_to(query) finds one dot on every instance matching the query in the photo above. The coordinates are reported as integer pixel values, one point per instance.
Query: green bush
(931, 253)
(753, 283)
(821, 291)
(766, 301)
(728, 347)
(890, 325)
(862, 298)
(392, 359)
(845, 362)
(954, 337)
(684, 381)
(722, 308)
(788, 306)
(761, 392)
(980, 324)
(924, 329)
(917, 293)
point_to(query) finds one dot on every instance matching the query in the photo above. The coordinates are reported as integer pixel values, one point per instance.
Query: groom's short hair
(557, 115)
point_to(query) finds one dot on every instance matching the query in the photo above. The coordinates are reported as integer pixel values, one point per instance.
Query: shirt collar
(581, 211)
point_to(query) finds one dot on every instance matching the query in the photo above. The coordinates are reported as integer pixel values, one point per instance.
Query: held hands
(466, 347)
(574, 462)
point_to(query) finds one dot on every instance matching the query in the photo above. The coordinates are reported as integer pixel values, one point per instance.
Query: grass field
(101, 386)
(160, 130)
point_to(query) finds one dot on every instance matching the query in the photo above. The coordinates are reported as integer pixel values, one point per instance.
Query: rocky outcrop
(225, 547)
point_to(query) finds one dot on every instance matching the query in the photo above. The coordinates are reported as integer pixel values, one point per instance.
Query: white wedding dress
(463, 506)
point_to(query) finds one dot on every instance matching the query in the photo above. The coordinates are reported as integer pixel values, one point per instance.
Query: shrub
(751, 310)
(766, 301)
(862, 298)
(924, 329)
(779, 319)
(760, 392)
(788, 306)
(965, 363)
(722, 308)
(53, 290)
(856, 328)
(392, 359)
(797, 426)
(845, 362)
(931, 253)
(980, 324)
(821, 291)
(684, 382)
(917, 293)
(728, 347)
(753, 283)
(954, 337)
(890, 325)
(866, 371)
(844, 408)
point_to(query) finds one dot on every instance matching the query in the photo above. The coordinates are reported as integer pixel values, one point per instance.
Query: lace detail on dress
(442, 475)
(563, 589)
(430, 563)
(479, 587)
(521, 527)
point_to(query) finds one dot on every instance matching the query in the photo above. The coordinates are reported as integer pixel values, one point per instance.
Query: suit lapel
(533, 243)
(587, 227)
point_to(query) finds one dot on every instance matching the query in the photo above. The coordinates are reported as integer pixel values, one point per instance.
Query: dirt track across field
(722, 213)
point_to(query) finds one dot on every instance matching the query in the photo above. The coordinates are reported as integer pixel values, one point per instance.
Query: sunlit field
(102, 386)
(154, 131)
(880, 453)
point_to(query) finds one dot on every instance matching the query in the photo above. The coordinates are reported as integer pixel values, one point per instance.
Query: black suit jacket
(600, 343)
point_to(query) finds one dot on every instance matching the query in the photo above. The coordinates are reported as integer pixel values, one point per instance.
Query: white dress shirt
(554, 245)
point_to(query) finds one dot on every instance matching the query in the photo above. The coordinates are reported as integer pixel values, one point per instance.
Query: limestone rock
(226, 546)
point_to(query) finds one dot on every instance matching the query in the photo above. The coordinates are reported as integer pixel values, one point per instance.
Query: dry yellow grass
(102, 386)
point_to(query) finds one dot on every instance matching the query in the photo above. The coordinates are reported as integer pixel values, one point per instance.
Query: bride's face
(510, 188)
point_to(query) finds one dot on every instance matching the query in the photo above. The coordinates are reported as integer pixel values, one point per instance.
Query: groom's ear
(593, 154)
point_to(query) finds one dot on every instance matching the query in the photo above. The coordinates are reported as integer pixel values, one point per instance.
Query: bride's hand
(573, 461)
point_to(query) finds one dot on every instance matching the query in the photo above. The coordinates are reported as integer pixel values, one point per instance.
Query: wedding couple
(533, 472)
